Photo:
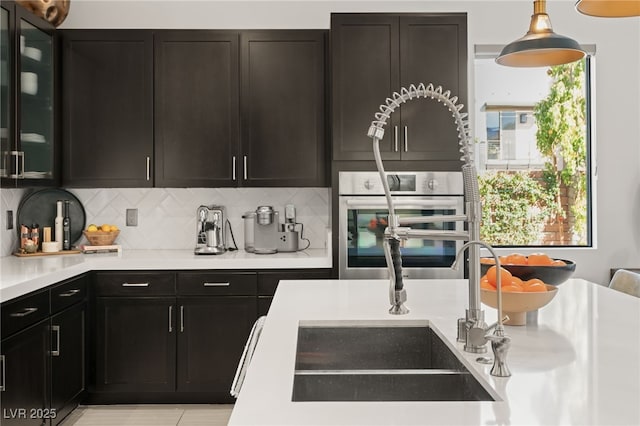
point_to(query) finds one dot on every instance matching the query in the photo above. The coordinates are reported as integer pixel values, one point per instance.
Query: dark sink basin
(380, 363)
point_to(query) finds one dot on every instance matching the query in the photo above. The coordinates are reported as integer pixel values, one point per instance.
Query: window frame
(491, 51)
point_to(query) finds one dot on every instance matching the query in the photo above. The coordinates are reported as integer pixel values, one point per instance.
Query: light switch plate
(9, 219)
(132, 217)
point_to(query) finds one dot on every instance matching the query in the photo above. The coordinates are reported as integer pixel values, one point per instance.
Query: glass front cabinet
(27, 112)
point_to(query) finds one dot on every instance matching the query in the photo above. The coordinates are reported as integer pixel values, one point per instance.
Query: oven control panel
(401, 183)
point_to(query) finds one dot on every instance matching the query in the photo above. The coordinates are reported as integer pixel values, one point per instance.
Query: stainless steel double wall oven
(363, 217)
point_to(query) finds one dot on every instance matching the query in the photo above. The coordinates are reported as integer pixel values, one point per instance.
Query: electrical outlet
(9, 219)
(132, 217)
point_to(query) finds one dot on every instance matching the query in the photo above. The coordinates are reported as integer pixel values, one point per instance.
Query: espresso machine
(264, 234)
(210, 230)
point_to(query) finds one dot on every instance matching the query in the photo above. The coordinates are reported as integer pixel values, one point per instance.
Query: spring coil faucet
(394, 233)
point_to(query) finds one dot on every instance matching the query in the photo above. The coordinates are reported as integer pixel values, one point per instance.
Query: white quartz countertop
(21, 275)
(578, 363)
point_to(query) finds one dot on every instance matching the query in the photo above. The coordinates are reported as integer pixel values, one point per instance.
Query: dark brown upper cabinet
(194, 108)
(107, 108)
(196, 112)
(374, 55)
(283, 108)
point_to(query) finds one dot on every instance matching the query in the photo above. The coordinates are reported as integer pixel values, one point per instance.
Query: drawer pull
(216, 284)
(170, 317)
(181, 318)
(2, 384)
(135, 284)
(56, 351)
(23, 313)
(70, 293)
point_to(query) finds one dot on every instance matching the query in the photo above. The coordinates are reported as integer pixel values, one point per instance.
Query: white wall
(617, 91)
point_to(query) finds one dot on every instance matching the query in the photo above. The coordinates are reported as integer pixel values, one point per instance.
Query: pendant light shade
(540, 47)
(609, 8)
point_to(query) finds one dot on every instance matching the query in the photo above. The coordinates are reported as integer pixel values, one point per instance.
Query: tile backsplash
(167, 216)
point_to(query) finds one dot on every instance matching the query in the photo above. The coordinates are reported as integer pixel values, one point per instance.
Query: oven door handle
(409, 202)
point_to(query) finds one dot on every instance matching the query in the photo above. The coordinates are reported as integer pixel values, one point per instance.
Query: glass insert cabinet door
(6, 142)
(35, 101)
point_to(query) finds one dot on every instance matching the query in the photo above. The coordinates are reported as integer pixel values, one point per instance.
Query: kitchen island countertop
(577, 362)
(22, 275)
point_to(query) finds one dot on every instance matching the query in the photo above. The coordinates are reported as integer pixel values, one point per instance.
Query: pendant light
(540, 46)
(609, 8)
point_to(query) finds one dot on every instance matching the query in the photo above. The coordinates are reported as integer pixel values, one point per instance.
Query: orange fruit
(485, 284)
(535, 287)
(512, 288)
(505, 276)
(558, 263)
(516, 259)
(503, 260)
(488, 260)
(534, 284)
(517, 281)
(533, 281)
(539, 259)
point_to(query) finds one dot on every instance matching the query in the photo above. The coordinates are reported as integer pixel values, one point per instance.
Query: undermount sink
(379, 363)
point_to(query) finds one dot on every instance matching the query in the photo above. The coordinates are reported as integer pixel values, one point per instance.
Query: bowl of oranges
(103, 235)
(536, 265)
(518, 296)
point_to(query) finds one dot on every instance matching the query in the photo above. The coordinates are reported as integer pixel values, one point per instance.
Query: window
(532, 129)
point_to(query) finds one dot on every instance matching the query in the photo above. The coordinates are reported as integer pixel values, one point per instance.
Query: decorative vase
(54, 11)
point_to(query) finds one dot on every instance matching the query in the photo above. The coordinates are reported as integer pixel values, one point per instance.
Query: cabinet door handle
(216, 284)
(19, 172)
(245, 166)
(70, 293)
(395, 138)
(181, 318)
(3, 382)
(23, 313)
(233, 168)
(56, 351)
(135, 284)
(170, 317)
(148, 168)
(406, 139)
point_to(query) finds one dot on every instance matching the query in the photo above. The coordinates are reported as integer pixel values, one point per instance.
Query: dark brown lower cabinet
(67, 360)
(42, 367)
(211, 336)
(25, 371)
(176, 336)
(135, 344)
(160, 342)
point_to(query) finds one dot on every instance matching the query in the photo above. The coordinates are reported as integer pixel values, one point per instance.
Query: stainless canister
(265, 215)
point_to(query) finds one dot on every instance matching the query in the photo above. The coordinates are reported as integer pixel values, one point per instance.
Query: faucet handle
(500, 346)
(495, 324)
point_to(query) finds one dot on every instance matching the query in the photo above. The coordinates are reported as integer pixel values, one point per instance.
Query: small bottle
(35, 234)
(25, 234)
(66, 227)
(58, 225)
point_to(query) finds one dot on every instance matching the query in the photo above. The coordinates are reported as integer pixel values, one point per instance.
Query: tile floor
(150, 414)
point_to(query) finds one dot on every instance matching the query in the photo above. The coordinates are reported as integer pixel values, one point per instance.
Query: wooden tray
(40, 253)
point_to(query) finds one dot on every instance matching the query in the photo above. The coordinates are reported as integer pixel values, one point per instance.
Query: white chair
(626, 282)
